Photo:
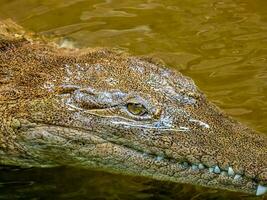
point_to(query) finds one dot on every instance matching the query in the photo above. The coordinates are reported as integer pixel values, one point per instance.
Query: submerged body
(99, 108)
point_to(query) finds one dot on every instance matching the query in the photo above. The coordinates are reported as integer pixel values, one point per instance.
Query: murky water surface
(222, 45)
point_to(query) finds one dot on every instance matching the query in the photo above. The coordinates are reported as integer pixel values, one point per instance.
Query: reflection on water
(69, 183)
(222, 45)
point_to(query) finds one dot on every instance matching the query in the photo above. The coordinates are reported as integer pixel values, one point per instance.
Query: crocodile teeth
(231, 171)
(237, 176)
(201, 166)
(145, 154)
(185, 164)
(194, 167)
(261, 190)
(217, 170)
(159, 158)
(211, 169)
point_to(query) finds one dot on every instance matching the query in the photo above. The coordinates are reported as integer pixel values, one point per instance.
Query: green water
(222, 45)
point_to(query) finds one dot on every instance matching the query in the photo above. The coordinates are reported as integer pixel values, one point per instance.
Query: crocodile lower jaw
(150, 165)
(215, 172)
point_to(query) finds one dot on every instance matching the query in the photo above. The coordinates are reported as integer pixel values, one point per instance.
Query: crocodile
(105, 109)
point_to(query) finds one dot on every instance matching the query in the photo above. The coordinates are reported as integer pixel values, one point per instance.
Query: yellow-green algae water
(221, 44)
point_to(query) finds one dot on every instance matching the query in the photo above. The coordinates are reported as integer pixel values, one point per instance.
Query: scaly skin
(69, 107)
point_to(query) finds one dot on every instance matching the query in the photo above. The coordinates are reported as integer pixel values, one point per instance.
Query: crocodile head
(96, 108)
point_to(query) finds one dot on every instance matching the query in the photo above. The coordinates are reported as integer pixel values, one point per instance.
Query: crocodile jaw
(98, 152)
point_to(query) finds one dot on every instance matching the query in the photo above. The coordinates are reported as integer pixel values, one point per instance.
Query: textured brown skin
(68, 107)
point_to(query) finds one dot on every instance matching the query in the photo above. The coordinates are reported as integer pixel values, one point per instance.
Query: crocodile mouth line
(226, 178)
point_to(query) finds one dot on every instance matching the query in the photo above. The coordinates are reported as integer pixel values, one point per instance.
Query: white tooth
(145, 154)
(159, 158)
(261, 190)
(237, 176)
(201, 166)
(194, 167)
(217, 170)
(231, 171)
(185, 164)
(211, 169)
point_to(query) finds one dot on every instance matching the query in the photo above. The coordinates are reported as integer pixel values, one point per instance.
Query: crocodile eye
(136, 109)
